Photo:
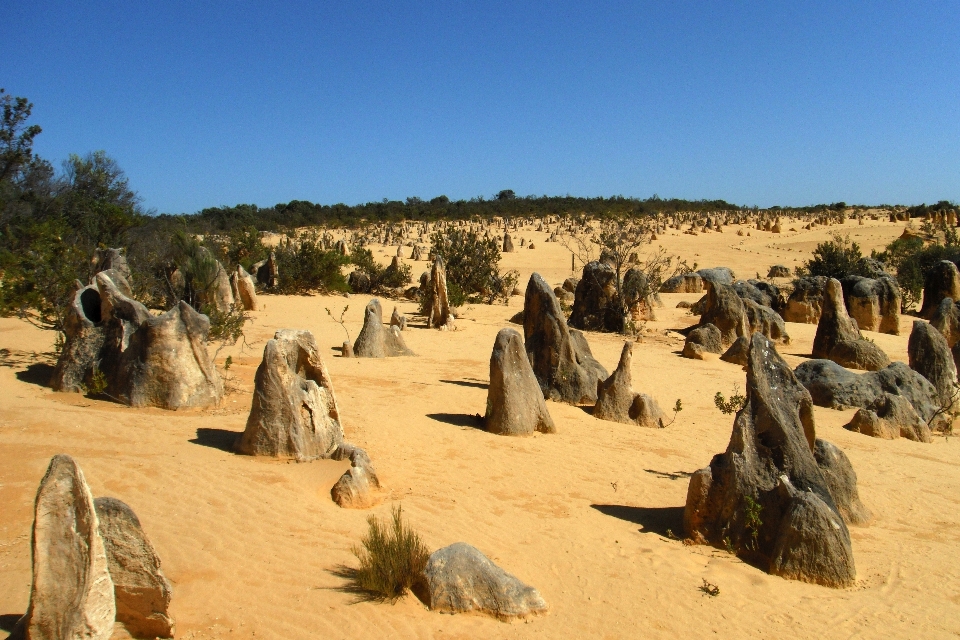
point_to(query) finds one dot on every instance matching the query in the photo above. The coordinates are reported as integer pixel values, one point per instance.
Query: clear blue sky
(258, 102)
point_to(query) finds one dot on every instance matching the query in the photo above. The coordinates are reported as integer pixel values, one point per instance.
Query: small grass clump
(392, 558)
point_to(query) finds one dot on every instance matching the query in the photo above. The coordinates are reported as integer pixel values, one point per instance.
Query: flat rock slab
(460, 579)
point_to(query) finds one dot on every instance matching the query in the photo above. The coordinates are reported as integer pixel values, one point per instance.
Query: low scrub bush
(472, 263)
(392, 559)
(304, 266)
(381, 278)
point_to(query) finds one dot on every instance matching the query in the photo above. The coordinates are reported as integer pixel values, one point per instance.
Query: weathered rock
(244, 290)
(771, 452)
(618, 402)
(832, 386)
(889, 417)
(436, 306)
(398, 320)
(266, 271)
(417, 253)
(778, 271)
(737, 353)
(873, 303)
(515, 405)
(359, 281)
(720, 275)
(220, 294)
(764, 294)
(859, 354)
(597, 306)
(358, 487)
(813, 544)
(946, 320)
(930, 356)
(142, 593)
(570, 284)
(704, 338)
(460, 579)
(765, 320)
(294, 413)
(507, 243)
(686, 283)
(84, 340)
(806, 301)
(560, 356)
(943, 281)
(72, 594)
(376, 340)
(835, 325)
(842, 482)
(725, 310)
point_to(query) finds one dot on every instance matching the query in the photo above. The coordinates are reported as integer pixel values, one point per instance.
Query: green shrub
(381, 278)
(911, 260)
(392, 558)
(472, 263)
(305, 266)
(834, 259)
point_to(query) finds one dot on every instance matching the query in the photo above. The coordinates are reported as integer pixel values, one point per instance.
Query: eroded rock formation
(375, 339)
(618, 402)
(515, 405)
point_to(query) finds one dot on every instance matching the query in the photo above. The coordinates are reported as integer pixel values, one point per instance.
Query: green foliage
(97, 382)
(911, 260)
(226, 326)
(735, 404)
(381, 278)
(305, 266)
(835, 258)
(392, 558)
(472, 263)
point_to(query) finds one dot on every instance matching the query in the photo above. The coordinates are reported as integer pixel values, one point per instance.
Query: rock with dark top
(765, 320)
(842, 482)
(597, 305)
(859, 354)
(764, 294)
(72, 594)
(942, 281)
(515, 405)
(294, 414)
(358, 487)
(375, 339)
(507, 243)
(460, 579)
(778, 271)
(890, 417)
(266, 271)
(946, 320)
(359, 281)
(705, 338)
(832, 386)
(436, 306)
(725, 310)
(805, 303)
(720, 275)
(560, 356)
(771, 460)
(835, 324)
(618, 402)
(141, 591)
(930, 356)
(737, 353)
(685, 283)
(570, 284)
(873, 303)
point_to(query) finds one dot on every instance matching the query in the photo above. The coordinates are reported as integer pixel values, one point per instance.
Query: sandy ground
(588, 515)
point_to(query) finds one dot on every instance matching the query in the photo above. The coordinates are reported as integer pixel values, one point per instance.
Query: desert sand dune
(591, 516)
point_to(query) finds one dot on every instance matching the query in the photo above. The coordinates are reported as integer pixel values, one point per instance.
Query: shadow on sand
(467, 383)
(459, 419)
(216, 439)
(662, 521)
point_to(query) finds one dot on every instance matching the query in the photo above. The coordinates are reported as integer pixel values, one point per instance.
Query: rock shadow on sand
(9, 620)
(474, 420)
(662, 521)
(468, 383)
(221, 439)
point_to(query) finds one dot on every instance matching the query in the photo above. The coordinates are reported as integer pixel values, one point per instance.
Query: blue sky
(259, 102)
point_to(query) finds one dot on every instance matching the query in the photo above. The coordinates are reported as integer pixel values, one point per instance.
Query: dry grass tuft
(392, 559)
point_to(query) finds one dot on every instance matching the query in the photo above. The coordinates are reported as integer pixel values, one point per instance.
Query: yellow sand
(587, 516)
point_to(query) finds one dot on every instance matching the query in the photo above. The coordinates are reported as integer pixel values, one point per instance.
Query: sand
(589, 515)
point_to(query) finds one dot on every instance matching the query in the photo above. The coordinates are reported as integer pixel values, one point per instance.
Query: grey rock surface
(515, 405)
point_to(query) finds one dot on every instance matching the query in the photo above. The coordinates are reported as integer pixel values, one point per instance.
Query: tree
(98, 204)
(16, 138)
